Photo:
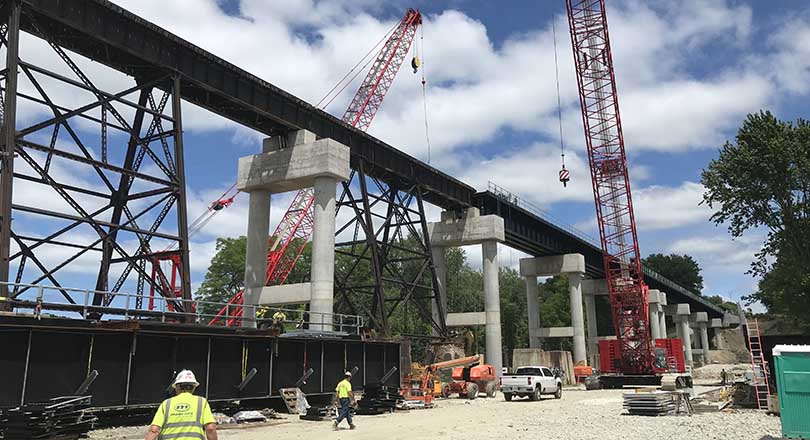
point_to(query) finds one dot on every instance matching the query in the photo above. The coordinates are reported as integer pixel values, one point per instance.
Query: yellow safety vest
(344, 387)
(183, 417)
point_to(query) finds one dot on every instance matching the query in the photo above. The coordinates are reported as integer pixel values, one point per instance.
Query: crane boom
(293, 231)
(611, 186)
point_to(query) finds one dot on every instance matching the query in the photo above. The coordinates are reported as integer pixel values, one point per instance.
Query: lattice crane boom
(611, 186)
(294, 230)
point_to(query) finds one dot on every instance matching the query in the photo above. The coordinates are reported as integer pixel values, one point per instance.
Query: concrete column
(682, 317)
(655, 322)
(323, 254)
(577, 319)
(717, 326)
(533, 311)
(492, 305)
(593, 341)
(662, 325)
(256, 254)
(440, 263)
(704, 341)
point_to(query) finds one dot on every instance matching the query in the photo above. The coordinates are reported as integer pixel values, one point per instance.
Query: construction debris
(61, 418)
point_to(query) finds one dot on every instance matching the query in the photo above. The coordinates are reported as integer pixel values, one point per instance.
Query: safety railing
(50, 301)
(509, 197)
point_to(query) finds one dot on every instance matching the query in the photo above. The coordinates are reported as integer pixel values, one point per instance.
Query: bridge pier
(471, 228)
(682, 316)
(591, 289)
(655, 309)
(290, 163)
(700, 321)
(572, 266)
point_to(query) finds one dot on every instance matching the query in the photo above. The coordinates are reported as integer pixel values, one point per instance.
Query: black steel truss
(389, 240)
(127, 146)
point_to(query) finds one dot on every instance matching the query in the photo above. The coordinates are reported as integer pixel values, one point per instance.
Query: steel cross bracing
(611, 185)
(385, 235)
(87, 168)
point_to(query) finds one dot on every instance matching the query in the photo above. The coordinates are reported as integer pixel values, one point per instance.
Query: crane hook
(565, 176)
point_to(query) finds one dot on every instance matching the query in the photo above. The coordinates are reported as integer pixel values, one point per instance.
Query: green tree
(762, 183)
(723, 304)
(682, 269)
(226, 274)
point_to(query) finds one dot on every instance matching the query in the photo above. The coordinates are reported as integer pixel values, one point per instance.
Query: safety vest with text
(183, 417)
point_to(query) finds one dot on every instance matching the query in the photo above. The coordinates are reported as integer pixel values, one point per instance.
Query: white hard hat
(185, 376)
(348, 373)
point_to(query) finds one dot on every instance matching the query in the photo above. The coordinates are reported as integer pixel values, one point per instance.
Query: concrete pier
(471, 228)
(323, 254)
(701, 320)
(492, 304)
(533, 311)
(292, 162)
(662, 317)
(682, 316)
(573, 267)
(655, 321)
(592, 334)
(440, 265)
(256, 253)
(717, 325)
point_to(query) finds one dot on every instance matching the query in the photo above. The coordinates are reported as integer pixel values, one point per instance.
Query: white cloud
(661, 207)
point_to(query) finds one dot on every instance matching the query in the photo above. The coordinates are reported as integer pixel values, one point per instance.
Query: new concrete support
(323, 254)
(717, 326)
(662, 317)
(533, 311)
(682, 316)
(470, 228)
(440, 264)
(492, 305)
(593, 337)
(573, 267)
(256, 254)
(702, 321)
(293, 162)
(655, 322)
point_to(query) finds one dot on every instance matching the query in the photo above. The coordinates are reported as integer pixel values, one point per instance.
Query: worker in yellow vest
(345, 396)
(184, 416)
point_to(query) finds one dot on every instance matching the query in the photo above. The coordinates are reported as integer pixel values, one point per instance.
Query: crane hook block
(415, 63)
(565, 176)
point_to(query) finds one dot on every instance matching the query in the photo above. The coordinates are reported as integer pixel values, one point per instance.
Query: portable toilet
(793, 382)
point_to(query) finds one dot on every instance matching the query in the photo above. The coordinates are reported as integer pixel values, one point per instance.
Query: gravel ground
(580, 415)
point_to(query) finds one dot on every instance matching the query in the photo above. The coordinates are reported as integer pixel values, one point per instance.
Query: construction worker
(184, 416)
(278, 321)
(723, 376)
(345, 396)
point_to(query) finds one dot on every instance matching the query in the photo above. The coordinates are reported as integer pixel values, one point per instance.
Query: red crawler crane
(611, 185)
(293, 232)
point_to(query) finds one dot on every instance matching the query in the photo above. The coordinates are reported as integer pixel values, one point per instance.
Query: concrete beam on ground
(285, 294)
(467, 229)
(555, 332)
(467, 319)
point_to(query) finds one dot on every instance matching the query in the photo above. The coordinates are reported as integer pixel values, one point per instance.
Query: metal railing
(509, 197)
(50, 301)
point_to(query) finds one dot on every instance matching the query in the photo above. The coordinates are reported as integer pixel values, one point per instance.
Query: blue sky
(688, 73)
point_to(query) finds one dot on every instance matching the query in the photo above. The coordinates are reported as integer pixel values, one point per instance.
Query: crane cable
(564, 174)
(424, 88)
(355, 70)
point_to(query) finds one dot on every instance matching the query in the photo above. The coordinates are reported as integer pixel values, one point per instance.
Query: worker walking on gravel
(345, 396)
(184, 416)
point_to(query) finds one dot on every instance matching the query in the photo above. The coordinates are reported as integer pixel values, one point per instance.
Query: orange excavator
(469, 378)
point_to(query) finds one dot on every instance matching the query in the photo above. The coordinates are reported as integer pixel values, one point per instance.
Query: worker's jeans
(344, 411)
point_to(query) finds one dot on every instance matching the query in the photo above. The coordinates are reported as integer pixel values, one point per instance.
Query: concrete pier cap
(553, 265)
(596, 286)
(654, 296)
(700, 318)
(294, 167)
(466, 228)
(716, 323)
(682, 311)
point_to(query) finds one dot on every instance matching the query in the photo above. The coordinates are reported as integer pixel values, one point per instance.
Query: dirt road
(579, 415)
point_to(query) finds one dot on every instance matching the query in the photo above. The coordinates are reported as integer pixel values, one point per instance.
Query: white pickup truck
(532, 382)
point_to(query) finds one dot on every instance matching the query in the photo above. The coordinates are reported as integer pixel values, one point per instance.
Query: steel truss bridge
(136, 158)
